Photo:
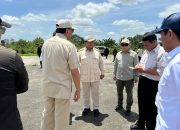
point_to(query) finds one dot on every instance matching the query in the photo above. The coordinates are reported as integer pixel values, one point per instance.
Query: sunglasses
(124, 44)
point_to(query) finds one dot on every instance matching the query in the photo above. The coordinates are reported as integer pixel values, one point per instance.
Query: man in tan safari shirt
(60, 62)
(91, 71)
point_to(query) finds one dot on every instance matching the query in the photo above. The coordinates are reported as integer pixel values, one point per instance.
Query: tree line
(30, 47)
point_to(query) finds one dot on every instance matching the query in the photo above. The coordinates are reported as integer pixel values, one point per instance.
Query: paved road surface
(30, 103)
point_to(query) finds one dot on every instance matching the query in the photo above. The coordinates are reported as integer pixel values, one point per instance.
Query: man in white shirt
(168, 96)
(60, 66)
(150, 70)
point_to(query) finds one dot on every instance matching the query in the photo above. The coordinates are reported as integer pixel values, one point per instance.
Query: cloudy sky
(100, 18)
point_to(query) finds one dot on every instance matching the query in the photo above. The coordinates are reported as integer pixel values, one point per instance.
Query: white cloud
(23, 25)
(131, 27)
(126, 2)
(111, 34)
(35, 17)
(169, 10)
(12, 20)
(133, 24)
(30, 17)
(84, 22)
(82, 16)
(37, 32)
(90, 9)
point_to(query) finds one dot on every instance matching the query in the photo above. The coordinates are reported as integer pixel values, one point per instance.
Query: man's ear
(170, 34)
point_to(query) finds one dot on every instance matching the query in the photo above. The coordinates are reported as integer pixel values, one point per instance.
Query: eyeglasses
(124, 44)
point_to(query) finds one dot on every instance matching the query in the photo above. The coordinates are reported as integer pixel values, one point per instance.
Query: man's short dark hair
(61, 30)
(176, 31)
(148, 36)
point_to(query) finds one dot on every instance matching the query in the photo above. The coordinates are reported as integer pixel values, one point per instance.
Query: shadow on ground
(97, 121)
(132, 118)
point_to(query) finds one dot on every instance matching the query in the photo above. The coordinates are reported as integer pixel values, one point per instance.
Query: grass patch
(28, 54)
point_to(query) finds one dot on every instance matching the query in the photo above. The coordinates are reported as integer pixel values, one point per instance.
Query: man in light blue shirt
(168, 96)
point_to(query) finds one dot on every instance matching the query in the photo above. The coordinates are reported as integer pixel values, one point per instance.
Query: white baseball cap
(125, 40)
(64, 23)
(89, 38)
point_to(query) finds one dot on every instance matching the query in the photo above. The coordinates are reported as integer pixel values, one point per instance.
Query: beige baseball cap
(64, 23)
(125, 40)
(89, 38)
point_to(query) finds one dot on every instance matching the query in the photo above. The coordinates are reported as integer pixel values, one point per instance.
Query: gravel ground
(30, 103)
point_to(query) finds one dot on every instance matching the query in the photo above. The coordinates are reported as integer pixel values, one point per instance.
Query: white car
(101, 49)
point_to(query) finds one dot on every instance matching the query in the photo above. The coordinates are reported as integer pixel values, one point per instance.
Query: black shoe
(96, 113)
(118, 107)
(128, 112)
(137, 126)
(86, 111)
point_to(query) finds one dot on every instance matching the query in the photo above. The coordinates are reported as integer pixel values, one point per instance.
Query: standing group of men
(158, 86)
(60, 67)
(60, 62)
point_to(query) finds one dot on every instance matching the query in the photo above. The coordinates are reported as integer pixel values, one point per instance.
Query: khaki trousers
(56, 113)
(93, 88)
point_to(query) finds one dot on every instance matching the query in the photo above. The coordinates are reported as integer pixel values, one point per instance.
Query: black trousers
(147, 90)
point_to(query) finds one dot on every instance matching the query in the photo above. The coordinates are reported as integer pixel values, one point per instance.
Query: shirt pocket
(83, 60)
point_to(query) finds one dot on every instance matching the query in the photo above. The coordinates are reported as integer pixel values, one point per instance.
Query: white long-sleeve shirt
(168, 96)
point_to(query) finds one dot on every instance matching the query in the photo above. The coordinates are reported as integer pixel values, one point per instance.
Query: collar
(172, 53)
(156, 48)
(89, 50)
(61, 35)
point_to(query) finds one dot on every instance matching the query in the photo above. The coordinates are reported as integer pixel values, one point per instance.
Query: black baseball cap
(171, 22)
(149, 36)
(5, 24)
